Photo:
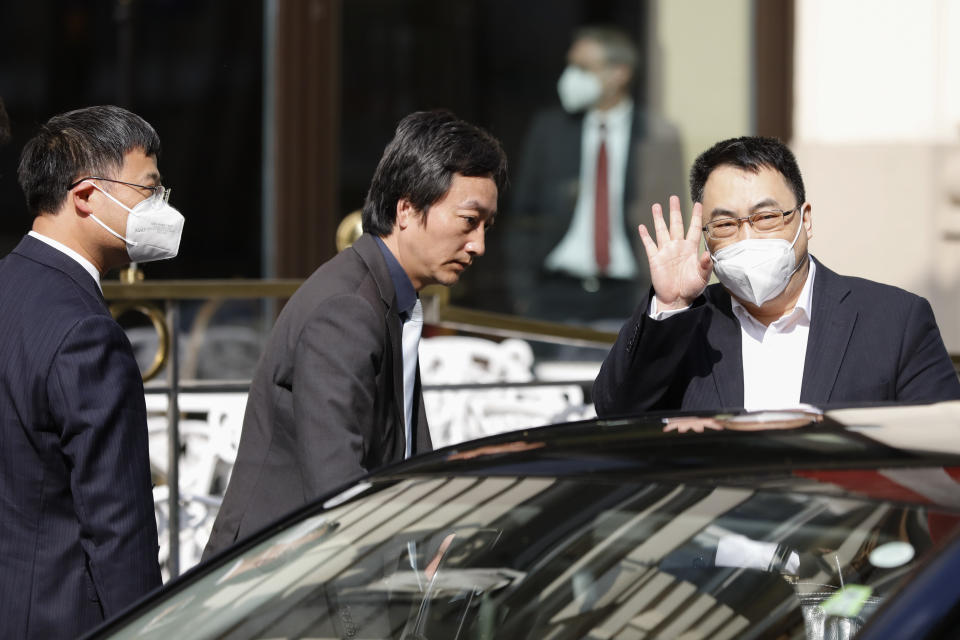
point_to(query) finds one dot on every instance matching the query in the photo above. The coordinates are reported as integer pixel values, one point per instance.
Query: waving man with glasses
(780, 328)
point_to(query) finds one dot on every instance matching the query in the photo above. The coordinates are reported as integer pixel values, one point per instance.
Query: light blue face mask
(757, 270)
(153, 228)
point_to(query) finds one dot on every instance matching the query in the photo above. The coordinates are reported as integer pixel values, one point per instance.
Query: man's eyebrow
(765, 204)
(154, 176)
(720, 211)
(474, 204)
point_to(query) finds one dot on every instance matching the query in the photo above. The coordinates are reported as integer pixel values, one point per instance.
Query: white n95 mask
(756, 270)
(153, 229)
(578, 89)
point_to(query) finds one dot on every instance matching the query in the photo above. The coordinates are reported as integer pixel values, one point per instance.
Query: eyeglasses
(761, 222)
(159, 192)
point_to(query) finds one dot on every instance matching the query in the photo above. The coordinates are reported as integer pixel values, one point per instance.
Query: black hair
(428, 148)
(76, 144)
(750, 153)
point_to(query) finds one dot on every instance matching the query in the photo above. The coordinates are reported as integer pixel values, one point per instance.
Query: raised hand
(678, 271)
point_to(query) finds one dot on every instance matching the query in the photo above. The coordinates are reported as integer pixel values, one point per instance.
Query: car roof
(842, 450)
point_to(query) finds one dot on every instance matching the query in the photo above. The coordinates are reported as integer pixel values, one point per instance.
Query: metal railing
(160, 301)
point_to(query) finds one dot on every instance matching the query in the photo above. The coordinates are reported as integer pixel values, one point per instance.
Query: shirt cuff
(655, 314)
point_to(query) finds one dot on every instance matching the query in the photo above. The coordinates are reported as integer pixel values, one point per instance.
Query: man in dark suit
(337, 393)
(587, 173)
(780, 328)
(78, 536)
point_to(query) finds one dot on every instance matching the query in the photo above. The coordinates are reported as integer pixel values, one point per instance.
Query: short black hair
(79, 143)
(750, 153)
(428, 148)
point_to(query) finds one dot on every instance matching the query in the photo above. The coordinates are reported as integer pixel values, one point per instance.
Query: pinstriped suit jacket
(78, 538)
(868, 342)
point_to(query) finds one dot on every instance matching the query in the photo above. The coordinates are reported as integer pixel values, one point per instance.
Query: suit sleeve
(642, 370)
(525, 245)
(926, 373)
(338, 355)
(96, 394)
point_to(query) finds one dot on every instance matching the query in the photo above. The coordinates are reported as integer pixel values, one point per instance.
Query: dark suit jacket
(868, 342)
(547, 184)
(326, 402)
(78, 535)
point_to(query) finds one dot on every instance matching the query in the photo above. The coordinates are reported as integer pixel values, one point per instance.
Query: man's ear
(808, 219)
(80, 196)
(407, 214)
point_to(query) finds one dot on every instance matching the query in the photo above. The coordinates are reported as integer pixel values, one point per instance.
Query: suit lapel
(723, 337)
(831, 326)
(369, 251)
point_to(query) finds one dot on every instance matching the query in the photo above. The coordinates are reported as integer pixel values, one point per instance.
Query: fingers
(648, 243)
(696, 223)
(706, 266)
(691, 423)
(676, 219)
(663, 235)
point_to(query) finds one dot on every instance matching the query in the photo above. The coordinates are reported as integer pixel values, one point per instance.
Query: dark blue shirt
(406, 294)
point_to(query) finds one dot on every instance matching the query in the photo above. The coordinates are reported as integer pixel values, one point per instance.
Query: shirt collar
(62, 248)
(612, 118)
(804, 302)
(406, 294)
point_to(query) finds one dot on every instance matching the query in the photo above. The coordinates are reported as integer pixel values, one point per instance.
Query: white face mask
(153, 229)
(756, 270)
(578, 88)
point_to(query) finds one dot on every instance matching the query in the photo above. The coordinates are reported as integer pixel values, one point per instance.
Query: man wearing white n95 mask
(78, 536)
(587, 177)
(780, 328)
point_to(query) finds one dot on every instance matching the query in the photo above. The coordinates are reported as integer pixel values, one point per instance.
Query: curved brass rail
(159, 321)
(349, 229)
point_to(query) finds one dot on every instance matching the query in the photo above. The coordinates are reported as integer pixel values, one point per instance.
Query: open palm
(678, 271)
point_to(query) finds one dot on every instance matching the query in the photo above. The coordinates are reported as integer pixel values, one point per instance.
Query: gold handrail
(200, 289)
(436, 300)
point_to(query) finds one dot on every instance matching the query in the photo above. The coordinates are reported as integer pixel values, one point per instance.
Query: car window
(521, 557)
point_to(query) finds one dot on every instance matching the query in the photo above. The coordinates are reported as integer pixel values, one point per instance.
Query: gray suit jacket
(326, 402)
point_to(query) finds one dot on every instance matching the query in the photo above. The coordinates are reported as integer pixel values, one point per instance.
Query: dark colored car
(778, 526)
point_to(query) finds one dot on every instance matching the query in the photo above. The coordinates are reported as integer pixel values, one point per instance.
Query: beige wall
(701, 62)
(876, 120)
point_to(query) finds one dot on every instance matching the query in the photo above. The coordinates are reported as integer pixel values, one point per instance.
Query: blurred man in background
(587, 172)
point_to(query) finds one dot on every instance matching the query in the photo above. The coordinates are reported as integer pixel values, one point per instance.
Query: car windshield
(550, 557)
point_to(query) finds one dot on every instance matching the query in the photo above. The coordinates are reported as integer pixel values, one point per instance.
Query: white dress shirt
(574, 254)
(86, 264)
(773, 357)
(412, 329)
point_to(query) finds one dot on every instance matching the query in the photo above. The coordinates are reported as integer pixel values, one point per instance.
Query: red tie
(601, 215)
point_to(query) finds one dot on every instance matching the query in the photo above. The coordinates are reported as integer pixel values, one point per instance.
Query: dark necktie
(601, 210)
